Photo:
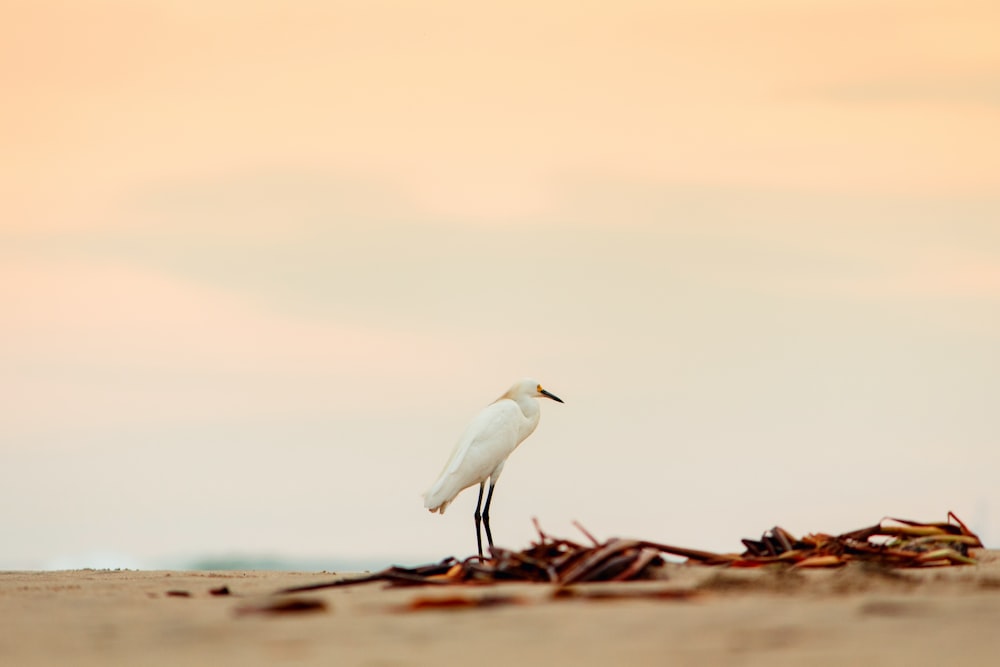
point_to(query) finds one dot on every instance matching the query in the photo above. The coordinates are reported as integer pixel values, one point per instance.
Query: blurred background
(261, 262)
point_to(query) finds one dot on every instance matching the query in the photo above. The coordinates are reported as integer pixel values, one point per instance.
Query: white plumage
(483, 449)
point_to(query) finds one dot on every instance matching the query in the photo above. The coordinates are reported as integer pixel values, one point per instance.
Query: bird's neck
(529, 407)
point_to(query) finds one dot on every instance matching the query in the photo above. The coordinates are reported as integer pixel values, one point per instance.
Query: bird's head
(529, 387)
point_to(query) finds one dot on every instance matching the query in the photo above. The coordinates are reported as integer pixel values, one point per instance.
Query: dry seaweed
(458, 602)
(892, 542)
(889, 543)
(286, 605)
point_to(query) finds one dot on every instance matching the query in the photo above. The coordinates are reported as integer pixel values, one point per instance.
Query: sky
(261, 262)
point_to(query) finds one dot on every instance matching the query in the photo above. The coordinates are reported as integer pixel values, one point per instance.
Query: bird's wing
(487, 441)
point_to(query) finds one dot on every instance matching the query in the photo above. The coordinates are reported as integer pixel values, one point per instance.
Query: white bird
(483, 449)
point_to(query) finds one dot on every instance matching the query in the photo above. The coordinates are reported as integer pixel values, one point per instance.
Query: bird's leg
(486, 513)
(478, 516)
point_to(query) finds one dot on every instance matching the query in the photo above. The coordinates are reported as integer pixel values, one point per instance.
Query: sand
(696, 616)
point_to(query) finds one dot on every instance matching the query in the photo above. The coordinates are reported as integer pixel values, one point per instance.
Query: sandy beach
(694, 615)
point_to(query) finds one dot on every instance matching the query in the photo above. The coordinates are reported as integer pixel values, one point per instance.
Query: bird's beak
(548, 395)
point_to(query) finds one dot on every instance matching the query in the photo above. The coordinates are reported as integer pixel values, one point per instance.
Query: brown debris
(455, 602)
(623, 593)
(548, 560)
(289, 605)
(890, 543)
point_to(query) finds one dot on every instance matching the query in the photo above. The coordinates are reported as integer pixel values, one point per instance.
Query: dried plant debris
(623, 593)
(456, 602)
(283, 605)
(548, 560)
(889, 543)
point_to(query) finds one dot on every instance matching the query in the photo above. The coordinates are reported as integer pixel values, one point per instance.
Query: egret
(483, 449)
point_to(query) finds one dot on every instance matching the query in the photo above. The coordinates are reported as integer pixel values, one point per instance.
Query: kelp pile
(891, 542)
(551, 560)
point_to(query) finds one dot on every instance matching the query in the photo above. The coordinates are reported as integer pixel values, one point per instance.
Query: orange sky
(279, 238)
(481, 112)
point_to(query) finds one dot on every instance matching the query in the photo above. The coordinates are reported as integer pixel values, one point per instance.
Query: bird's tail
(433, 500)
